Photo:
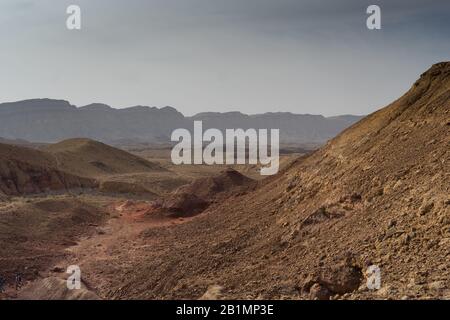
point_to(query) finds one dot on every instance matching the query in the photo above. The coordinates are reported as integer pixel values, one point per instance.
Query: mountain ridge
(49, 121)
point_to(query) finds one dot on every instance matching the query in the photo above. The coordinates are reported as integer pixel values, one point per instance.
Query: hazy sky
(254, 56)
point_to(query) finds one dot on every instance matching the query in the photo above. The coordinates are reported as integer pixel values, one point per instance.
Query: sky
(253, 56)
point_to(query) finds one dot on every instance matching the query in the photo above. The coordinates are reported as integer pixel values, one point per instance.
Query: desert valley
(140, 227)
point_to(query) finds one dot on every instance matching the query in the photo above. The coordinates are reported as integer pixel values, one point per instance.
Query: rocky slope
(70, 164)
(195, 197)
(28, 171)
(378, 194)
(90, 158)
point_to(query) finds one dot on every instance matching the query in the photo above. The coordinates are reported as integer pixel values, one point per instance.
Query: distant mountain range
(48, 120)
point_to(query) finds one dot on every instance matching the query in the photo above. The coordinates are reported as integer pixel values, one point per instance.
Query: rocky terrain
(34, 233)
(376, 195)
(201, 193)
(75, 164)
(53, 197)
(29, 171)
(90, 158)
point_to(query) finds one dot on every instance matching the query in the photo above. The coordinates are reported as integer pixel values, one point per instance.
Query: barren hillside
(27, 171)
(200, 193)
(91, 158)
(378, 194)
(70, 164)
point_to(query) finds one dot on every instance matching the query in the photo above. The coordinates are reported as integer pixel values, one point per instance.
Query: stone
(319, 292)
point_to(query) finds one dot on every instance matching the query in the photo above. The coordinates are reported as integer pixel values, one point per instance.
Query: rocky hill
(199, 194)
(28, 171)
(91, 158)
(376, 195)
(70, 164)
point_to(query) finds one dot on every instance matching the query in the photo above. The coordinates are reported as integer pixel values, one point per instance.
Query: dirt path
(116, 244)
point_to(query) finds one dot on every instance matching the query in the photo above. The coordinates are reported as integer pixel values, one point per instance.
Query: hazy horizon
(251, 56)
(162, 107)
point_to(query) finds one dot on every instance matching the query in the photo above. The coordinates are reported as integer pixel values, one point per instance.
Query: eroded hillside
(378, 194)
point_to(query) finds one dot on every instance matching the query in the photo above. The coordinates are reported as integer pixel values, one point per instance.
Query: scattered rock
(425, 208)
(391, 223)
(384, 291)
(319, 292)
(213, 293)
(437, 285)
(58, 269)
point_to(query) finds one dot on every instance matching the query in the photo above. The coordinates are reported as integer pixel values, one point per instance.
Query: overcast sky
(253, 56)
